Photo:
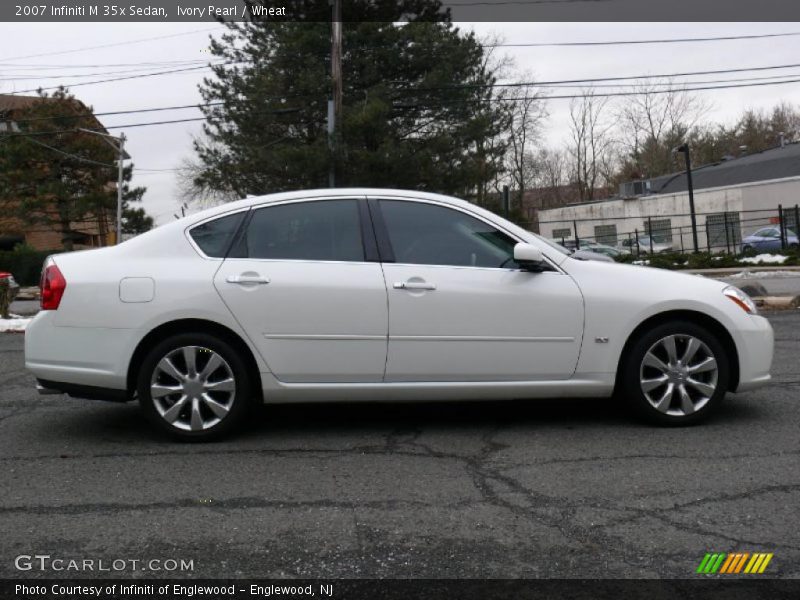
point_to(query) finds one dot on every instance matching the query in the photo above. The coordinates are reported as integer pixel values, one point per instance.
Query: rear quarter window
(214, 237)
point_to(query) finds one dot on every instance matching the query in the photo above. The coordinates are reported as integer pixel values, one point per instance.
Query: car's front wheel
(194, 386)
(675, 374)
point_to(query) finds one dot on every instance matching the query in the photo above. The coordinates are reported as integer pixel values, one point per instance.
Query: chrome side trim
(416, 338)
(476, 338)
(323, 336)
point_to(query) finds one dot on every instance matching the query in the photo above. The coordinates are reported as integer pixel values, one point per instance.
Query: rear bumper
(755, 346)
(86, 357)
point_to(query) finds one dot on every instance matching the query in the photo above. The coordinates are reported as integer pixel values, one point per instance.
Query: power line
(272, 112)
(670, 83)
(416, 105)
(125, 43)
(94, 162)
(498, 45)
(653, 41)
(685, 89)
(140, 76)
(198, 106)
(70, 155)
(280, 111)
(555, 83)
(29, 76)
(435, 103)
(49, 67)
(599, 79)
(593, 95)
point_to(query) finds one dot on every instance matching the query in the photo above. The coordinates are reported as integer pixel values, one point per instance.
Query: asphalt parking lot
(510, 489)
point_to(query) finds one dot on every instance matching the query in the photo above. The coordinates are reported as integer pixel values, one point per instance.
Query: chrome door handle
(414, 285)
(247, 279)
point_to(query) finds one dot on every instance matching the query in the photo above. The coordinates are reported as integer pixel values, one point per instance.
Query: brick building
(89, 233)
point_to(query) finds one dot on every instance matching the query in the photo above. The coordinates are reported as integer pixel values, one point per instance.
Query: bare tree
(550, 176)
(192, 188)
(590, 145)
(492, 150)
(654, 120)
(785, 122)
(528, 114)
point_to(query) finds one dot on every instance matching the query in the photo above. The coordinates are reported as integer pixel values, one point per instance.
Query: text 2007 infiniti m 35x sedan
(371, 294)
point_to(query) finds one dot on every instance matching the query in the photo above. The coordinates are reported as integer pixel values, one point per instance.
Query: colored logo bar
(734, 563)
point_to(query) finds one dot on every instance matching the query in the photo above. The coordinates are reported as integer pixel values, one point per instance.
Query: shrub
(705, 260)
(24, 263)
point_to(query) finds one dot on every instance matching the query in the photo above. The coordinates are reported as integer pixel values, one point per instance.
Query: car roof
(328, 193)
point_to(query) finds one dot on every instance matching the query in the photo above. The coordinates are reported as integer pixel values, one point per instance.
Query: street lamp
(684, 148)
(120, 147)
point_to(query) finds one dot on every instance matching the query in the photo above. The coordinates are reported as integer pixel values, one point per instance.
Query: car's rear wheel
(675, 374)
(194, 386)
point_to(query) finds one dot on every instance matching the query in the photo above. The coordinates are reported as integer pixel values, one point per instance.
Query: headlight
(743, 300)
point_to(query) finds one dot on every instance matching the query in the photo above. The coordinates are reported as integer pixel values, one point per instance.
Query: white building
(732, 198)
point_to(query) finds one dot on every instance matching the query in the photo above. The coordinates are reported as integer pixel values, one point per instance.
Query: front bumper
(755, 346)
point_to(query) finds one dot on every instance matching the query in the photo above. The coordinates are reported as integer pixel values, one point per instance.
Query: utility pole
(119, 186)
(684, 148)
(335, 105)
(120, 148)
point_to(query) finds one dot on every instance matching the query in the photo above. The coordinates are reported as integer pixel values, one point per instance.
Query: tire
(648, 374)
(209, 401)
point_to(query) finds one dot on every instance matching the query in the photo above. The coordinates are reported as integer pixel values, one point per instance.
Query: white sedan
(370, 294)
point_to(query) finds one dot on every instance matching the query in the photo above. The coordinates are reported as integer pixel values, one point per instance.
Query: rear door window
(321, 230)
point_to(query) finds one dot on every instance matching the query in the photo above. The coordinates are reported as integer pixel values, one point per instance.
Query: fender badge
(601, 340)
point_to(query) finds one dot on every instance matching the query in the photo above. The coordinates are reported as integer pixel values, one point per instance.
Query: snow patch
(762, 275)
(765, 258)
(15, 323)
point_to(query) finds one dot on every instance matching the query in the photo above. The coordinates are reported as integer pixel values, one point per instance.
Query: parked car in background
(645, 245)
(603, 249)
(591, 245)
(589, 250)
(379, 295)
(768, 239)
(591, 255)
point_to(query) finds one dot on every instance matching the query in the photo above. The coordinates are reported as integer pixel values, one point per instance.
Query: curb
(722, 271)
(777, 302)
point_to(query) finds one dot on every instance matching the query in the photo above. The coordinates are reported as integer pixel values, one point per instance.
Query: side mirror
(529, 257)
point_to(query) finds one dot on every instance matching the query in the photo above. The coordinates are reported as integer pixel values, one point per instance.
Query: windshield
(551, 243)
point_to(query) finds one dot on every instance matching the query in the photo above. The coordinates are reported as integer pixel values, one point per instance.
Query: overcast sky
(164, 146)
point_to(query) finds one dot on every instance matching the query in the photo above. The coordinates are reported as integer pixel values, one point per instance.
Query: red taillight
(52, 287)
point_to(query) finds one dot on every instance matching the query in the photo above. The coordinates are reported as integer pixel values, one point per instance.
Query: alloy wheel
(678, 375)
(193, 388)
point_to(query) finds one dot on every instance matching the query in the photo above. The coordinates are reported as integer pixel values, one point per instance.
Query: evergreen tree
(54, 176)
(416, 110)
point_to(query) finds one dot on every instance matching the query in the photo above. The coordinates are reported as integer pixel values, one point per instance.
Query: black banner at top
(400, 10)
